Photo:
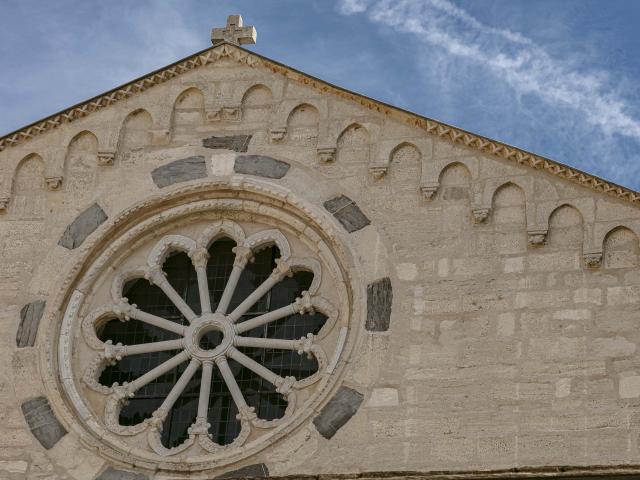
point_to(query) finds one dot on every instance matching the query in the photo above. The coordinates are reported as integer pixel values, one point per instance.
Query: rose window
(208, 339)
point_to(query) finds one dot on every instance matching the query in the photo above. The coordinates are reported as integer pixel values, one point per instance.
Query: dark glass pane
(252, 276)
(222, 412)
(183, 413)
(219, 268)
(181, 274)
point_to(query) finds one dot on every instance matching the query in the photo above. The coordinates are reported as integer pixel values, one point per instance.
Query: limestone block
(629, 385)
(115, 474)
(612, 347)
(13, 466)
(83, 226)
(338, 411)
(623, 295)
(261, 166)
(30, 316)
(43, 423)
(347, 213)
(588, 295)
(237, 143)
(383, 397)
(379, 300)
(257, 470)
(183, 170)
(407, 271)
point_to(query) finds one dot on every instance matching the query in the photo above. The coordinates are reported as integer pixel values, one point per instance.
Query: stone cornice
(212, 54)
(529, 473)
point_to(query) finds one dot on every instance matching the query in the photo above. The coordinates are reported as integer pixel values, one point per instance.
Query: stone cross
(234, 32)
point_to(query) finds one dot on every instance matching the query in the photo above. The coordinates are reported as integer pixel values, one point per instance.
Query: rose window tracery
(208, 343)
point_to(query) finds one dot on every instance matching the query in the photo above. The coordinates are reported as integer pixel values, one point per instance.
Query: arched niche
(256, 104)
(455, 183)
(188, 111)
(405, 170)
(302, 126)
(80, 162)
(353, 144)
(566, 230)
(136, 131)
(28, 199)
(509, 219)
(621, 248)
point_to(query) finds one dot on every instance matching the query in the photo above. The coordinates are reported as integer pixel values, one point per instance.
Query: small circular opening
(210, 339)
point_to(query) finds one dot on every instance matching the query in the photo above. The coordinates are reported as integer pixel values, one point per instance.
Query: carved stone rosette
(191, 226)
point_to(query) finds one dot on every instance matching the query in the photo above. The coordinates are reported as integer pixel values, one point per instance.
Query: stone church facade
(228, 268)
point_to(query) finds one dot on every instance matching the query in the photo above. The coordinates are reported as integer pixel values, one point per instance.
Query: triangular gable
(228, 50)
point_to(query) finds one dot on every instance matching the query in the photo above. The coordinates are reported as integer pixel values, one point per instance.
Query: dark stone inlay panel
(261, 166)
(347, 213)
(237, 143)
(83, 226)
(42, 422)
(338, 411)
(250, 471)
(115, 474)
(183, 170)
(30, 316)
(379, 299)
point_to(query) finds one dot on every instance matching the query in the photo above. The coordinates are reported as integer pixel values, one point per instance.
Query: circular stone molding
(134, 246)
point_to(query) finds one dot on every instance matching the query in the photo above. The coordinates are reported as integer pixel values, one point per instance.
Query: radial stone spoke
(161, 369)
(151, 347)
(266, 318)
(158, 321)
(159, 279)
(180, 385)
(267, 343)
(229, 289)
(232, 385)
(256, 295)
(255, 367)
(203, 289)
(205, 390)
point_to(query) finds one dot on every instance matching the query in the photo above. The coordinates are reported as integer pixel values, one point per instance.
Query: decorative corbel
(537, 238)
(53, 183)
(106, 158)
(277, 134)
(378, 171)
(429, 190)
(326, 154)
(160, 136)
(4, 204)
(592, 259)
(231, 113)
(480, 215)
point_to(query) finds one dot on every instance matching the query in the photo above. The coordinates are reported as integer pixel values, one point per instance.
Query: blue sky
(556, 77)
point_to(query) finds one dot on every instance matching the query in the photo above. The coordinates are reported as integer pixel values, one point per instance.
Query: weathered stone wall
(503, 301)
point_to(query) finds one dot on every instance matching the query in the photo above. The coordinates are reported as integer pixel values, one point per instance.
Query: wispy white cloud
(510, 56)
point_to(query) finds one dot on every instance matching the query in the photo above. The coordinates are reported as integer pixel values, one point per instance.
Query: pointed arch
(302, 125)
(188, 110)
(256, 103)
(80, 163)
(135, 131)
(621, 248)
(28, 188)
(454, 182)
(82, 149)
(353, 143)
(405, 171)
(509, 219)
(566, 228)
